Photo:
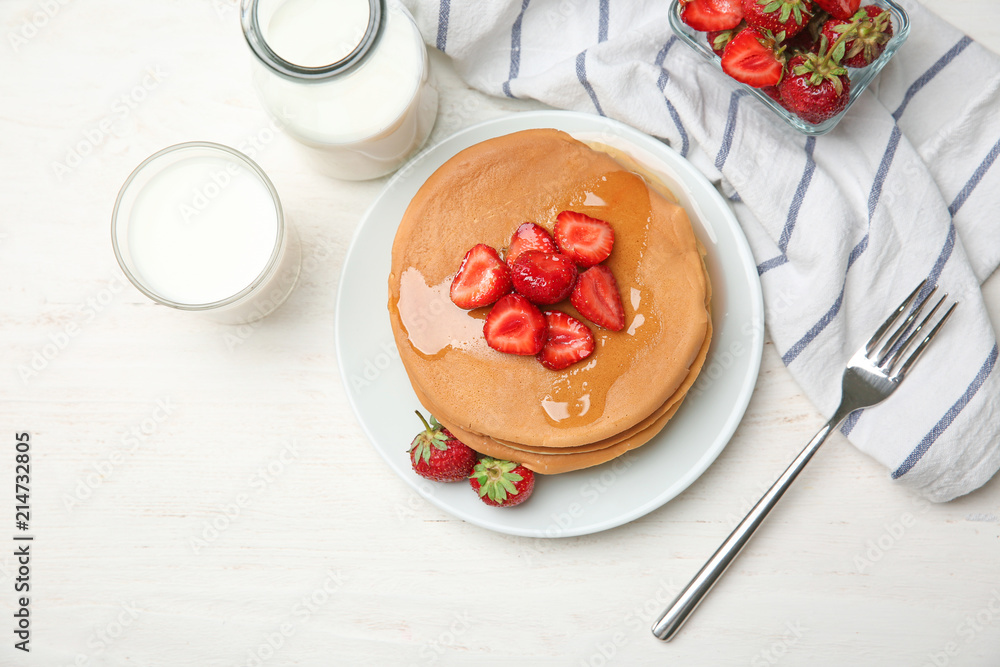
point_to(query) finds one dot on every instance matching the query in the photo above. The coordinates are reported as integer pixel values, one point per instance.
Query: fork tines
(898, 342)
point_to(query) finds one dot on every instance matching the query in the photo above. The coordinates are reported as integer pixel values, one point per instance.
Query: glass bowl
(860, 78)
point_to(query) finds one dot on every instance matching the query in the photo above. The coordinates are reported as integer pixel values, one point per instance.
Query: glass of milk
(198, 226)
(347, 78)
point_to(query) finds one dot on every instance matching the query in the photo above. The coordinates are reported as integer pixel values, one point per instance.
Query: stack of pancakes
(511, 407)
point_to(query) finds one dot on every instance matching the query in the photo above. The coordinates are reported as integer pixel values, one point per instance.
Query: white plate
(585, 501)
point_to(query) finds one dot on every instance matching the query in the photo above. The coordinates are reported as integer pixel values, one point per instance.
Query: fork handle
(673, 618)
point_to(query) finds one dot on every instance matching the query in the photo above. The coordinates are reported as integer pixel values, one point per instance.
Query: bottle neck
(255, 36)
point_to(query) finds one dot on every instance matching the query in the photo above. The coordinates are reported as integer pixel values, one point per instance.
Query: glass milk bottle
(347, 78)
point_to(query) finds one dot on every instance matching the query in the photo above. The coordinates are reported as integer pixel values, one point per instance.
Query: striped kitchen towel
(842, 226)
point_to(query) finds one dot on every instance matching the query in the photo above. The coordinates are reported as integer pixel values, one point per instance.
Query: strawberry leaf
(838, 51)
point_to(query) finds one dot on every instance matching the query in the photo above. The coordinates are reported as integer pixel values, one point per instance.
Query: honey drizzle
(578, 394)
(432, 322)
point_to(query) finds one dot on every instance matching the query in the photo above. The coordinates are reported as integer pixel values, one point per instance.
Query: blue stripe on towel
(515, 49)
(662, 84)
(851, 422)
(443, 13)
(949, 417)
(581, 74)
(662, 55)
(883, 170)
(793, 210)
(676, 117)
(932, 72)
(973, 182)
(942, 259)
(602, 29)
(772, 263)
(727, 139)
(796, 349)
(800, 195)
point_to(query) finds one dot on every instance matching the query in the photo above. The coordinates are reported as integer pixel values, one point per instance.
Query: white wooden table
(205, 497)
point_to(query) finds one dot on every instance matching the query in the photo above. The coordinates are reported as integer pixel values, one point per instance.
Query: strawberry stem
(427, 427)
(851, 32)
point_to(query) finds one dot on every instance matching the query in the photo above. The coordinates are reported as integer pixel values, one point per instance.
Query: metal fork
(871, 376)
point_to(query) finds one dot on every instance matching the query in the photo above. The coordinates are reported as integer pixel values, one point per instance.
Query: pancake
(552, 464)
(670, 403)
(614, 400)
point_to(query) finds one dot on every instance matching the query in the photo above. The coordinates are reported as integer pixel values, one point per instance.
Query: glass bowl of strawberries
(807, 60)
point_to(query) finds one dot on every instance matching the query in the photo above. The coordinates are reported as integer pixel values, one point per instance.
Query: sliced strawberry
(750, 58)
(596, 297)
(543, 278)
(515, 326)
(569, 341)
(711, 15)
(529, 236)
(587, 241)
(482, 279)
(839, 9)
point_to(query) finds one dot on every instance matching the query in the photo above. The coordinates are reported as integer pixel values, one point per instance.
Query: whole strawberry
(839, 9)
(502, 483)
(815, 88)
(865, 35)
(787, 16)
(436, 454)
(543, 278)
